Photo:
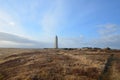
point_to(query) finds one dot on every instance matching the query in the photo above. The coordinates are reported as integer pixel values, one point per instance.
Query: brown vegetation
(60, 64)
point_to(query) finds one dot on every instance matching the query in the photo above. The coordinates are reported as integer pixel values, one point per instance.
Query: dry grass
(50, 64)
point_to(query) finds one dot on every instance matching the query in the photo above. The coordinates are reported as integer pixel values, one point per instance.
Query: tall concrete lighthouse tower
(56, 42)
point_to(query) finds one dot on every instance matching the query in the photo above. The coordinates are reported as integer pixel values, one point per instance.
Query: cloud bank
(9, 40)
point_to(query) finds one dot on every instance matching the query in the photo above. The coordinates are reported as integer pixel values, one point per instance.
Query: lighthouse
(56, 42)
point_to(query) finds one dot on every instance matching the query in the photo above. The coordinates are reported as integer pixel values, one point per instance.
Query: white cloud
(109, 36)
(11, 40)
(12, 33)
(108, 29)
(10, 24)
(108, 41)
(49, 23)
(52, 18)
(9, 44)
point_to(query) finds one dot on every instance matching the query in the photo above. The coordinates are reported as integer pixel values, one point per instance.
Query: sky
(77, 23)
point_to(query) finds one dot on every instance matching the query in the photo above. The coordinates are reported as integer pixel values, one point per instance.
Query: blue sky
(78, 23)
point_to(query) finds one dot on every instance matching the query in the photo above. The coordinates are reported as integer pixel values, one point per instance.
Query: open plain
(59, 64)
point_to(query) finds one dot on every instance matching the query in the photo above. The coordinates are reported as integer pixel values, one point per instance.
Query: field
(59, 64)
